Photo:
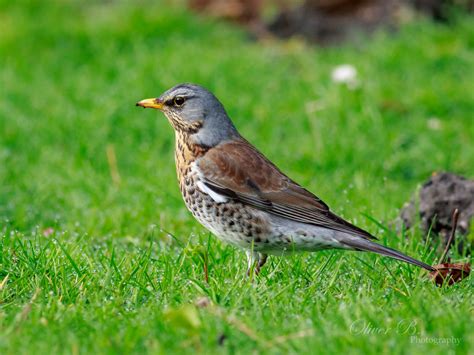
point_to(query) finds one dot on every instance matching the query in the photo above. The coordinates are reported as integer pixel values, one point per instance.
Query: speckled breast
(229, 221)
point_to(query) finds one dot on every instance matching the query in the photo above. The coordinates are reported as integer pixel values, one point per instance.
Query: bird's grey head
(195, 111)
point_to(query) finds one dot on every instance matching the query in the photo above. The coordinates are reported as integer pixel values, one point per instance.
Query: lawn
(97, 251)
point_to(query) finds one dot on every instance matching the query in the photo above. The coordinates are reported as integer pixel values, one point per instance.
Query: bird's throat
(186, 152)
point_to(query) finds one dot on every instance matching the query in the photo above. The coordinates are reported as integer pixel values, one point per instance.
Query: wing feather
(237, 170)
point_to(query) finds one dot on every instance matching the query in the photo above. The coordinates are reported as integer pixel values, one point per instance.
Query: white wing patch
(202, 186)
(214, 195)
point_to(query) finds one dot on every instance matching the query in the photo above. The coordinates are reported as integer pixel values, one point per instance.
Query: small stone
(202, 302)
(438, 198)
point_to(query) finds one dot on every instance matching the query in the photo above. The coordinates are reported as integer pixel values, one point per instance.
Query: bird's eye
(178, 101)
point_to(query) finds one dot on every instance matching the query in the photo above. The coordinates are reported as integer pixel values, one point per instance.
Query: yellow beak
(151, 103)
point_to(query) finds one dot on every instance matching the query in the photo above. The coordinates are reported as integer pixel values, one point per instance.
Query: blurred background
(360, 101)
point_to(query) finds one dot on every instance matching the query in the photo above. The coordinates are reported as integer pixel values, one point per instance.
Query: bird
(243, 198)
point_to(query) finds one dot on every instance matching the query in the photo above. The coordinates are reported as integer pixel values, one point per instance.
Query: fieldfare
(241, 196)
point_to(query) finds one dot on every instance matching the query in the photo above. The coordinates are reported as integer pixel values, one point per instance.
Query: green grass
(89, 264)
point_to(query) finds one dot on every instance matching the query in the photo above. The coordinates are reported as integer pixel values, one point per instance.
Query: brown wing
(237, 170)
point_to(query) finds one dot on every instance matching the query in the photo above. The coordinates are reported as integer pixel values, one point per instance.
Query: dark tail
(367, 245)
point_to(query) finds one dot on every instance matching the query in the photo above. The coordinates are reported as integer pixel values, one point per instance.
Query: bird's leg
(252, 256)
(255, 259)
(262, 259)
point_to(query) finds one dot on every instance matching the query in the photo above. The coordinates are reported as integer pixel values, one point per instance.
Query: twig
(4, 282)
(206, 268)
(451, 237)
(27, 308)
(248, 331)
(112, 160)
(241, 326)
(284, 338)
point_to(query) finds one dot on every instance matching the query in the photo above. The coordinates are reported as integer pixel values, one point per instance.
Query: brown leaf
(450, 273)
